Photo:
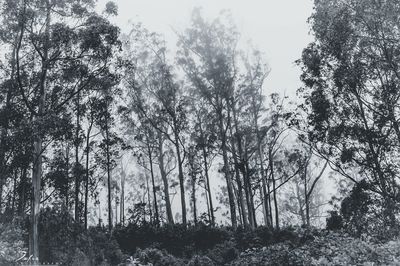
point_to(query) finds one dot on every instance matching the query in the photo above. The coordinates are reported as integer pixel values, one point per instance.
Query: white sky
(276, 27)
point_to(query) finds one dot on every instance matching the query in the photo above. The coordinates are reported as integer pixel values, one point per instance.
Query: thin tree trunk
(116, 211)
(274, 188)
(14, 193)
(180, 173)
(77, 170)
(148, 196)
(23, 190)
(108, 177)
(241, 204)
(87, 172)
(231, 106)
(301, 204)
(66, 188)
(227, 170)
(248, 193)
(194, 200)
(263, 176)
(307, 203)
(157, 217)
(210, 202)
(122, 199)
(164, 178)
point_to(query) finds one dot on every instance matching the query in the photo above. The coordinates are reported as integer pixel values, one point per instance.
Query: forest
(119, 148)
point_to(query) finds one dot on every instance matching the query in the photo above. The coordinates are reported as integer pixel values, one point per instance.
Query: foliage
(11, 243)
(176, 239)
(324, 249)
(157, 258)
(334, 221)
(62, 241)
(351, 93)
(363, 212)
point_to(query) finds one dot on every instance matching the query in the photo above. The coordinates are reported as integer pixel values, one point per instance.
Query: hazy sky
(276, 27)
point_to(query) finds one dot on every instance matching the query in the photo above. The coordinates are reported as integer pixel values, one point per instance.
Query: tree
(303, 196)
(203, 130)
(350, 73)
(62, 48)
(207, 55)
(155, 77)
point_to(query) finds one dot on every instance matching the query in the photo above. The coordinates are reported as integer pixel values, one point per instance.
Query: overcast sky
(276, 27)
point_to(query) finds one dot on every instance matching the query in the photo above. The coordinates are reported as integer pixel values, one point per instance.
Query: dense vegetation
(96, 123)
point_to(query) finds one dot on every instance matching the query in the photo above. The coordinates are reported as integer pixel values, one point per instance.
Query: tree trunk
(248, 194)
(77, 170)
(307, 202)
(237, 162)
(210, 202)
(269, 198)
(38, 141)
(263, 176)
(66, 188)
(301, 204)
(148, 196)
(22, 192)
(227, 170)
(157, 217)
(180, 173)
(194, 199)
(241, 204)
(110, 225)
(122, 199)
(274, 189)
(116, 210)
(164, 178)
(87, 172)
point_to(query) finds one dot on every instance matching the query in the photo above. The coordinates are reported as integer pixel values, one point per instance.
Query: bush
(200, 261)
(11, 243)
(366, 212)
(223, 253)
(177, 239)
(157, 258)
(61, 240)
(334, 221)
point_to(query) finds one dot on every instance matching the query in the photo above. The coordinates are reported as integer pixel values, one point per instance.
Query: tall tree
(54, 60)
(207, 55)
(351, 92)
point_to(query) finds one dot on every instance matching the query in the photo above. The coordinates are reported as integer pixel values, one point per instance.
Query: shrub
(11, 243)
(177, 239)
(157, 258)
(200, 261)
(61, 240)
(366, 212)
(223, 253)
(334, 221)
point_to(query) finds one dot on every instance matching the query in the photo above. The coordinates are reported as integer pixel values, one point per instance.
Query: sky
(278, 28)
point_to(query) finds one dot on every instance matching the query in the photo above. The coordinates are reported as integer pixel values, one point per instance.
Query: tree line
(77, 95)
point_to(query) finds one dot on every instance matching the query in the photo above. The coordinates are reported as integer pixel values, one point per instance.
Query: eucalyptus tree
(351, 91)
(203, 130)
(207, 55)
(252, 101)
(61, 49)
(155, 79)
